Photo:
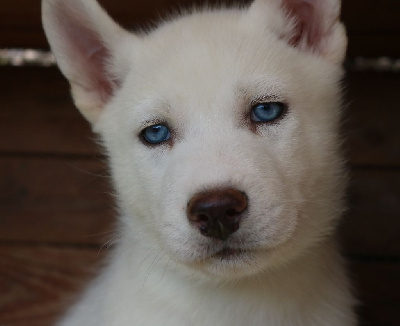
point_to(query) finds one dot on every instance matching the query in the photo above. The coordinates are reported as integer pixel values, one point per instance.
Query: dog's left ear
(90, 49)
(309, 25)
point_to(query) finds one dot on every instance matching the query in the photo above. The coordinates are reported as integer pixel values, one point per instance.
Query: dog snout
(217, 213)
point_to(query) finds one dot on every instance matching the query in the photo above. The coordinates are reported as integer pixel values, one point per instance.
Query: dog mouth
(230, 263)
(229, 253)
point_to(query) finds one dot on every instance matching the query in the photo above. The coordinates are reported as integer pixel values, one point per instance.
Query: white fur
(200, 73)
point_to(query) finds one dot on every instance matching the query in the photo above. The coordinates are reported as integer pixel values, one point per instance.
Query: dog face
(220, 126)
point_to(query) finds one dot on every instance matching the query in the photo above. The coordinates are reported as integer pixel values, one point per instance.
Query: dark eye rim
(162, 143)
(285, 108)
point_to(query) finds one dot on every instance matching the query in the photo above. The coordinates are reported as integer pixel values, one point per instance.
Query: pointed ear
(88, 46)
(309, 25)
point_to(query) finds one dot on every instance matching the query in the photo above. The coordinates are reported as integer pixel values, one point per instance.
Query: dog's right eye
(156, 134)
(267, 112)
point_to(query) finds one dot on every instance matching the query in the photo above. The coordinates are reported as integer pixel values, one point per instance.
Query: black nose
(217, 213)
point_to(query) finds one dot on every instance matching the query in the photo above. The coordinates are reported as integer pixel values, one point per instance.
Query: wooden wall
(55, 214)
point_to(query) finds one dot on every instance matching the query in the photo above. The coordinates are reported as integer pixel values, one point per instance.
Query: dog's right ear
(89, 49)
(309, 25)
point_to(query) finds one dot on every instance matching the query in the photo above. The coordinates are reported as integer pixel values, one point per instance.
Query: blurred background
(56, 213)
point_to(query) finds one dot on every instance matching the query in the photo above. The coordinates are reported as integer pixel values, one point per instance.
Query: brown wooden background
(55, 213)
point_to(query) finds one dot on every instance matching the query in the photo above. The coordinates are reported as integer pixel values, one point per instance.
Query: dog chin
(231, 263)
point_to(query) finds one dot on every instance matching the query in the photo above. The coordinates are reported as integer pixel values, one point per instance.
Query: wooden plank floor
(56, 211)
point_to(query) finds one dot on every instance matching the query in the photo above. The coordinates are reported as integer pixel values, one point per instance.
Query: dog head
(220, 125)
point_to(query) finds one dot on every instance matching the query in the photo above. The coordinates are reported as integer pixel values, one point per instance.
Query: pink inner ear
(88, 54)
(309, 24)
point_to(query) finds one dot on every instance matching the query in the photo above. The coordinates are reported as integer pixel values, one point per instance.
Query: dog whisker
(160, 254)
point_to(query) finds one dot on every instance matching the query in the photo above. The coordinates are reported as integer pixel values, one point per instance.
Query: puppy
(221, 130)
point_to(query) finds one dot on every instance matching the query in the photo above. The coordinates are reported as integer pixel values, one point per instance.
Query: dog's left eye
(156, 134)
(267, 112)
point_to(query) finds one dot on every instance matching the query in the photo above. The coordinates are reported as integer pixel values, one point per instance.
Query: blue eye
(156, 134)
(267, 112)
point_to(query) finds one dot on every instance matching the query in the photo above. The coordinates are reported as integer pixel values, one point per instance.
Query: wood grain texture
(372, 223)
(37, 284)
(37, 114)
(54, 200)
(372, 115)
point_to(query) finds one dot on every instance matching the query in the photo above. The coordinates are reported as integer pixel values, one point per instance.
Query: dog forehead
(205, 42)
(200, 59)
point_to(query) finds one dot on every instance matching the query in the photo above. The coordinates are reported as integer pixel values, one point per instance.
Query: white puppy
(221, 128)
